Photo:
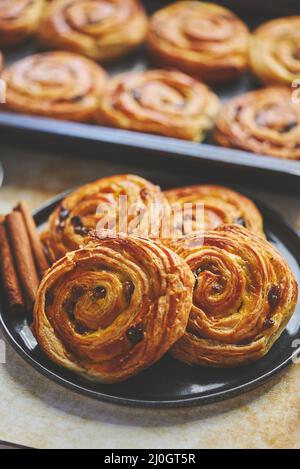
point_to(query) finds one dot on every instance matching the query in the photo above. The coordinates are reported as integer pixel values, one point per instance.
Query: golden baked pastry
(244, 296)
(1, 61)
(266, 122)
(275, 51)
(19, 19)
(98, 204)
(61, 85)
(160, 102)
(221, 206)
(203, 39)
(102, 30)
(113, 308)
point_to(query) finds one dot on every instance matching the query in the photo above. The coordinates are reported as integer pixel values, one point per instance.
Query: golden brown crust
(1, 62)
(160, 102)
(84, 209)
(113, 308)
(202, 39)
(275, 51)
(19, 19)
(265, 122)
(221, 206)
(62, 85)
(100, 30)
(244, 296)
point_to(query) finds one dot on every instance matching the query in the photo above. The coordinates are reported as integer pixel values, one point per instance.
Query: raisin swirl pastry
(244, 296)
(202, 39)
(19, 19)
(99, 202)
(160, 102)
(113, 308)
(100, 29)
(61, 85)
(275, 51)
(265, 122)
(221, 206)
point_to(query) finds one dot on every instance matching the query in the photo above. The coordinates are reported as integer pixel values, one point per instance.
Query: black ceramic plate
(170, 383)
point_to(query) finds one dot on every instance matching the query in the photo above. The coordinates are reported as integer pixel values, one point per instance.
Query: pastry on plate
(275, 51)
(161, 102)
(102, 30)
(202, 39)
(60, 85)
(19, 19)
(266, 122)
(119, 203)
(217, 205)
(113, 308)
(244, 296)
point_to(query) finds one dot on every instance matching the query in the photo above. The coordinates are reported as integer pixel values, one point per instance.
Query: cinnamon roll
(19, 19)
(244, 296)
(275, 51)
(160, 102)
(61, 85)
(118, 203)
(113, 308)
(199, 38)
(266, 122)
(220, 206)
(100, 29)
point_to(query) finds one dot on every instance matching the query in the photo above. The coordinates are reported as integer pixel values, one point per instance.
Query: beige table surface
(36, 412)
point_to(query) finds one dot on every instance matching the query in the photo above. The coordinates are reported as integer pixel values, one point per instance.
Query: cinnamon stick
(9, 276)
(24, 261)
(36, 245)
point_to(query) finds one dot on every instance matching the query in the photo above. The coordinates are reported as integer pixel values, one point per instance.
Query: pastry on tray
(202, 39)
(113, 308)
(161, 102)
(100, 30)
(244, 296)
(19, 19)
(266, 122)
(99, 205)
(275, 51)
(60, 85)
(220, 205)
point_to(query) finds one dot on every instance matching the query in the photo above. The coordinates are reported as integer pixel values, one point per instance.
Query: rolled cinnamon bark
(39, 256)
(23, 256)
(11, 286)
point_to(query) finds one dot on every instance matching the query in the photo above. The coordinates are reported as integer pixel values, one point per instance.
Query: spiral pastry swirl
(113, 308)
(19, 19)
(220, 205)
(202, 39)
(244, 296)
(275, 51)
(100, 29)
(160, 102)
(61, 85)
(100, 202)
(265, 122)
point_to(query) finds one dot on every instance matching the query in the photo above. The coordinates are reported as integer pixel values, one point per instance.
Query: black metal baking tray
(170, 383)
(107, 143)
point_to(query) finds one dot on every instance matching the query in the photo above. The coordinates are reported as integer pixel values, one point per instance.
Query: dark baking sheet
(170, 383)
(110, 143)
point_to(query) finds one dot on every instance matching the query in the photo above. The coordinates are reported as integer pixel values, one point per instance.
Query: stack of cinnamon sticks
(22, 259)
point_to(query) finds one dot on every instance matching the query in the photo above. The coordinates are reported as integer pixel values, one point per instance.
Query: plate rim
(198, 400)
